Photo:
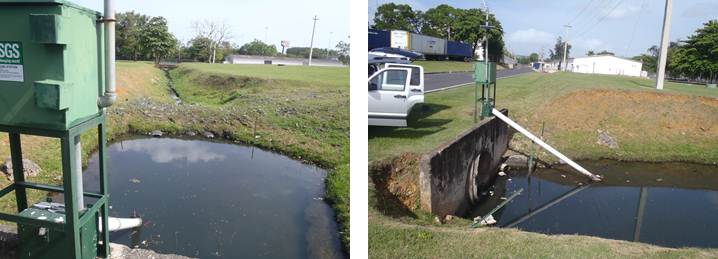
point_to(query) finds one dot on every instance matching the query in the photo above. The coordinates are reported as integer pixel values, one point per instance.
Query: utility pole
(329, 45)
(311, 45)
(266, 31)
(665, 34)
(565, 47)
(486, 58)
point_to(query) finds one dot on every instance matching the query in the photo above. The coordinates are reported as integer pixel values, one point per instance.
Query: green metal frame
(485, 78)
(487, 99)
(74, 219)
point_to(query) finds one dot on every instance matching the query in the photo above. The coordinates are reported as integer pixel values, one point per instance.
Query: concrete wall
(451, 176)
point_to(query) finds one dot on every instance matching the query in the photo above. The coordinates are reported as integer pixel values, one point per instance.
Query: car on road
(393, 93)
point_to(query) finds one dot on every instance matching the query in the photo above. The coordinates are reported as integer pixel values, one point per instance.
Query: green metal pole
(476, 103)
(104, 190)
(72, 227)
(18, 170)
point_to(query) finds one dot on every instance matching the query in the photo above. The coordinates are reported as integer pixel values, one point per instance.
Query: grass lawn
(679, 123)
(301, 112)
(446, 66)
(390, 238)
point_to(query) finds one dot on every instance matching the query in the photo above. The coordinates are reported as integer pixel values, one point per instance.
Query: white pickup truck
(393, 92)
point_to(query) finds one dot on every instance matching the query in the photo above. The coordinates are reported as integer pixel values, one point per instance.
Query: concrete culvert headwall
(452, 176)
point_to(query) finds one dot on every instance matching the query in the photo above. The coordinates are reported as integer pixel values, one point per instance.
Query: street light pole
(665, 34)
(311, 45)
(329, 45)
(565, 47)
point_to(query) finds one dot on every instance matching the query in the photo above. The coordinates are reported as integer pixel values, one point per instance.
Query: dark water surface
(213, 200)
(668, 204)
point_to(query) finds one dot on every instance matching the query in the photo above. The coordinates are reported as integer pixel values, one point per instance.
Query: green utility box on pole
(52, 73)
(480, 72)
(485, 76)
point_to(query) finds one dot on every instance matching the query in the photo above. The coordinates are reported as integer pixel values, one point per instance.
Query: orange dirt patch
(397, 184)
(623, 112)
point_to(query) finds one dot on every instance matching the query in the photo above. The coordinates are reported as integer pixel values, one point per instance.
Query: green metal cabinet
(51, 63)
(480, 72)
(39, 242)
(51, 74)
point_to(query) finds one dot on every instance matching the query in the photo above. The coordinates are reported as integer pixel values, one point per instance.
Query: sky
(625, 27)
(249, 19)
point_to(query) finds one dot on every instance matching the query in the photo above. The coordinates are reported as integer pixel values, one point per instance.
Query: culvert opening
(480, 174)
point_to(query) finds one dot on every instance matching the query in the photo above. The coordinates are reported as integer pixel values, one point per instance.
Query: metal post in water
(540, 142)
(643, 196)
(547, 205)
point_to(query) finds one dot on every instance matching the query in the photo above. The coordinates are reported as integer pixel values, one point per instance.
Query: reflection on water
(172, 151)
(669, 204)
(210, 200)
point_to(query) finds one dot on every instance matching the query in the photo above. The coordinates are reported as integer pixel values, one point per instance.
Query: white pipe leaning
(110, 95)
(540, 142)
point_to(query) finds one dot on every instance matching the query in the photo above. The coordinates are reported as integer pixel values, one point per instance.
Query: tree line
(695, 58)
(443, 21)
(143, 37)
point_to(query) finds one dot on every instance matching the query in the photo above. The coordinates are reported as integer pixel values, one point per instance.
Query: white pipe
(117, 224)
(540, 142)
(79, 198)
(110, 95)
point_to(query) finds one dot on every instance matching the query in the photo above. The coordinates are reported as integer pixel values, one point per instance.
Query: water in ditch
(666, 204)
(214, 200)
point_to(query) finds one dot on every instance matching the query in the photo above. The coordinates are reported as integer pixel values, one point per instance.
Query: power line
(593, 15)
(635, 27)
(581, 12)
(602, 19)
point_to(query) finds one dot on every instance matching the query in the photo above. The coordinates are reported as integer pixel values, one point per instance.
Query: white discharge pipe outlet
(540, 142)
(110, 95)
(117, 224)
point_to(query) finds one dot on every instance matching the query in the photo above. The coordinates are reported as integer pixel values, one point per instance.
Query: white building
(605, 64)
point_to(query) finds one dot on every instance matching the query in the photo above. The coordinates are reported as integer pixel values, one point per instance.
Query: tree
(199, 49)
(343, 48)
(128, 35)
(157, 42)
(439, 21)
(215, 32)
(697, 57)
(393, 16)
(258, 48)
(557, 51)
(590, 53)
(469, 29)
(606, 52)
(534, 57)
(303, 52)
(142, 37)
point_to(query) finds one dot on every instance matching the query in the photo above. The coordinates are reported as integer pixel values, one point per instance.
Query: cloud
(702, 9)
(531, 36)
(623, 11)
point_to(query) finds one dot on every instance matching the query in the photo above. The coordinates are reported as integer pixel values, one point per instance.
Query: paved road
(434, 82)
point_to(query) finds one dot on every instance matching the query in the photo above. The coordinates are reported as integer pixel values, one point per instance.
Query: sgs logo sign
(10, 52)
